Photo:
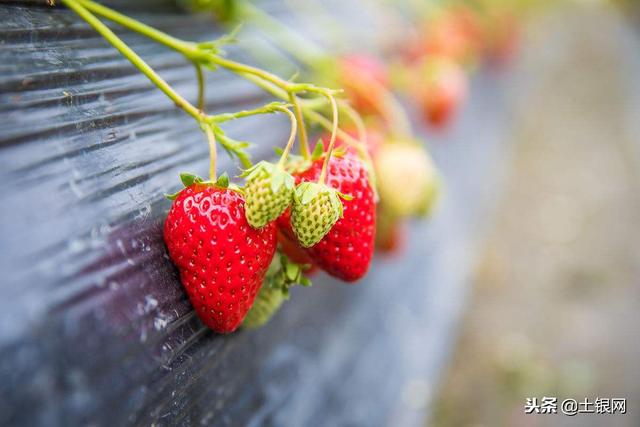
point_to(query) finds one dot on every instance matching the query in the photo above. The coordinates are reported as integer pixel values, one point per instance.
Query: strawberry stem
(269, 108)
(78, 7)
(211, 139)
(199, 54)
(316, 117)
(201, 83)
(292, 137)
(334, 130)
(192, 51)
(388, 106)
(304, 142)
(355, 117)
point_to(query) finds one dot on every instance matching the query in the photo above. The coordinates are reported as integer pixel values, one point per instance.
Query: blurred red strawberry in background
(441, 89)
(364, 78)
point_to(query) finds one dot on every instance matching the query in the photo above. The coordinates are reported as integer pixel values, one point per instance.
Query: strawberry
(346, 251)
(316, 208)
(268, 193)
(222, 260)
(442, 89)
(455, 34)
(282, 274)
(390, 233)
(364, 79)
(407, 164)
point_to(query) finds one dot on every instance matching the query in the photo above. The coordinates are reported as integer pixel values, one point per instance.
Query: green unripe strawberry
(266, 304)
(282, 274)
(316, 208)
(268, 192)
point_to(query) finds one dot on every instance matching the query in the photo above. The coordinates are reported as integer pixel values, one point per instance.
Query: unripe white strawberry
(406, 177)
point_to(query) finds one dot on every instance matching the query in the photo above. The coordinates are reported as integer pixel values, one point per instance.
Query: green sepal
(254, 170)
(339, 151)
(281, 177)
(172, 196)
(189, 179)
(280, 277)
(318, 150)
(347, 197)
(289, 274)
(336, 204)
(277, 176)
(307, 191)
(222, 181)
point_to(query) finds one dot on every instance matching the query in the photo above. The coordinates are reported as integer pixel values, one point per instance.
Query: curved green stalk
(332, 140)
(211, 139)
(304, 142)
(292, 137)
(133, 57)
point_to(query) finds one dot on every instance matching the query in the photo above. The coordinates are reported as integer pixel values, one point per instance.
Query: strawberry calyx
(277, 177)
(189, 179)
(268, 193)
(280, 277)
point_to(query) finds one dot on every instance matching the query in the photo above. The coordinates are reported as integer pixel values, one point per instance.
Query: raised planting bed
(95, 328)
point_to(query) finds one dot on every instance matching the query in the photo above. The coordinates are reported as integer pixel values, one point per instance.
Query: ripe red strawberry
(390, 235)
(346, 251)
(441, 91)
(221, 258)
(364, 79)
